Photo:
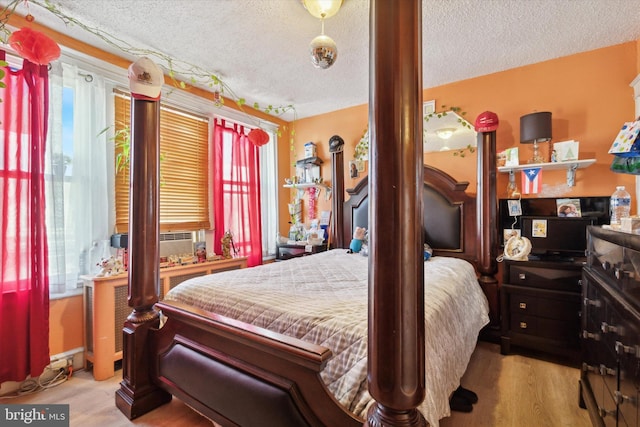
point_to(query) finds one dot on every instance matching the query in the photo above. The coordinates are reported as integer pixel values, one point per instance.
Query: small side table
(288, 251)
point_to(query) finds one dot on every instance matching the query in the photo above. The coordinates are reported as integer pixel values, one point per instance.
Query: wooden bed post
(337, 181)
(396, 351)
(487, 227)
(137, 395)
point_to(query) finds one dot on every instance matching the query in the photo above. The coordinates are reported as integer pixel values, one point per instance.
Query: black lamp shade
(535, 127)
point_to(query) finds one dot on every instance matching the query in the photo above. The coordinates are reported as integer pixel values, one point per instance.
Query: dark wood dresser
(540, 306)
(610, 372)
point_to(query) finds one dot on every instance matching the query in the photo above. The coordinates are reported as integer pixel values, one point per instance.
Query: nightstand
(540, 305)
(288, 251)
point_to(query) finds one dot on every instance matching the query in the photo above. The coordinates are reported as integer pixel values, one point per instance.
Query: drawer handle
(523, 325)
(605, 327)
(603, 412)
(593, 302)
(621, 398)
(523, 305)
(628, 349)
(522, 276)
(604, 371)
(595, 336)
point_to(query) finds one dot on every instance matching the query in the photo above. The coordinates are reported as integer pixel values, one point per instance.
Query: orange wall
(588, 94)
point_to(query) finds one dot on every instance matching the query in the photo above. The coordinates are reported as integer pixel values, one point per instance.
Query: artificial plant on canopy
(258, 137)
(34, 46)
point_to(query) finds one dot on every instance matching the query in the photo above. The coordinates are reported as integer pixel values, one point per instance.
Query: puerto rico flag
(531, 180)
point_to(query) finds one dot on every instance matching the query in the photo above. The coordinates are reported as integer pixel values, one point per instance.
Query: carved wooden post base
(381, 416)
(489, 285)
(137, 395)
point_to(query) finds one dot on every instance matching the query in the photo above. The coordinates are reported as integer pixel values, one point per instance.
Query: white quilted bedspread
(323, 299)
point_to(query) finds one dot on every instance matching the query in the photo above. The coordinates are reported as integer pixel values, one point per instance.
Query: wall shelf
(301, 186)
(570, 167)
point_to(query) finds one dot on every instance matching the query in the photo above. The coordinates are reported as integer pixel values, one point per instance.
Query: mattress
(323, 299)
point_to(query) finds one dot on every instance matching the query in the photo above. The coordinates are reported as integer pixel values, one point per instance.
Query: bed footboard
(238, 374)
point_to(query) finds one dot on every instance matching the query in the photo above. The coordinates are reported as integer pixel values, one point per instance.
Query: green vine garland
(196, 75)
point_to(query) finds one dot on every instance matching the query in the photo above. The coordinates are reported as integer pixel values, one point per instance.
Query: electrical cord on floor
(34, 385)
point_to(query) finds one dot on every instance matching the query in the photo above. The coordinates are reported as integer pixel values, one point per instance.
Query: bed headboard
(449, 214)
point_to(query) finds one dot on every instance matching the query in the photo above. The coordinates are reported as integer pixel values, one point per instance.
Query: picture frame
(511, 157)
(568, 208)
(428, 107)
(353, 169)
(539, 228)
(200, 251)
(565, 151)
(515, 208)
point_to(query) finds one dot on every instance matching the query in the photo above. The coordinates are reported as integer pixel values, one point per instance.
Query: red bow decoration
(34, 46)
(258, 137)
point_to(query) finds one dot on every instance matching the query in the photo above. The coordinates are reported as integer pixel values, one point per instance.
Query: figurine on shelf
(227, 243)
(110, 267)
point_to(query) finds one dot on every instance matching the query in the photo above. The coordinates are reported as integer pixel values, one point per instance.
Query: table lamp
(535, 128)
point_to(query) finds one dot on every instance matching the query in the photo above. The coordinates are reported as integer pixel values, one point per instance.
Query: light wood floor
(513, 390)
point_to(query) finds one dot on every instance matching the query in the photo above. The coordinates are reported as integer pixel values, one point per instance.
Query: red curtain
(24, 283)
(236, 191)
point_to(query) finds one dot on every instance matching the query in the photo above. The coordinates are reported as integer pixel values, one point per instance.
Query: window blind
(184, 189)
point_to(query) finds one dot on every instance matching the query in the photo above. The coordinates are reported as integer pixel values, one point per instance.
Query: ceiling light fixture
(445, 133)
(322, 8)
(323, 49)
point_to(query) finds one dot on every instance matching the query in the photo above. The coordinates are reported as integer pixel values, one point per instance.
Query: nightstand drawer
(565, 307)
(546, 278)
(553, 329)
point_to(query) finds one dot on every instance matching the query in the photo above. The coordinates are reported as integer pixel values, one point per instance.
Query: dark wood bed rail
(284, 370)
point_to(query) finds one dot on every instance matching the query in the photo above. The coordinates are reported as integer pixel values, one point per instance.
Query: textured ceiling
(260, 47)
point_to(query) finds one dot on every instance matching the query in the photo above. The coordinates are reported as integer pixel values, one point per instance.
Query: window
(269, 194)
(184, 189)
(76, 179)
(64, 267)
(81, 212)
(237, 191)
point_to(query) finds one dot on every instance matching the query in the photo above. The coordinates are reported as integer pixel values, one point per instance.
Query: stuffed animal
(356, 242)
(427, 252)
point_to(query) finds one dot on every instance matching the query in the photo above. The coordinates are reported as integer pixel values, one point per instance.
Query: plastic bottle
(620, 205)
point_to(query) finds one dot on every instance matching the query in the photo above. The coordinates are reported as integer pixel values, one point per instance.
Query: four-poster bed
(237, 373)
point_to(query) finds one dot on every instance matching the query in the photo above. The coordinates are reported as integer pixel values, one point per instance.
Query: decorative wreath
(517, 248)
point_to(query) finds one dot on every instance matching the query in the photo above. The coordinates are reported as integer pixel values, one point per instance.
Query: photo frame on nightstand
(515, 208)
